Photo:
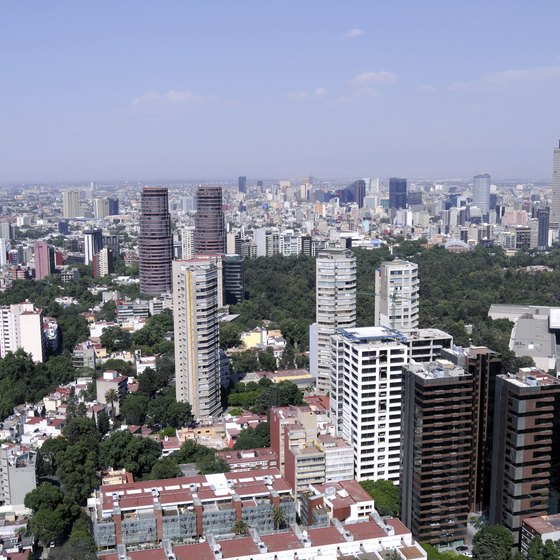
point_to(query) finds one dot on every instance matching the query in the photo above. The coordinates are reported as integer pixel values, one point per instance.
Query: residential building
(187, 243)
(397, 295)
(197, 350)
(555, 205)
(21, 326)
(3, 252)
(304, 465)
(335, 306)
(111, 381)
(155, 242)
(71, 203)
(524, 413)
(250, 459)
(84, 355)
(209, 233)
(339, 457)
(481, 193)
(234, 279)
(103, 263)
(436, 451)
(44, 260)
(112, 242)
(397, 193)
(100, 208)
(93, 243)
(17, 473)
(545, 527)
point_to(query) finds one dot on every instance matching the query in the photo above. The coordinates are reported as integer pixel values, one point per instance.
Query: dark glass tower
(155, 242)
(397, 193)
(209, 228)
(234, 279)
(242, 184)
(543, 220)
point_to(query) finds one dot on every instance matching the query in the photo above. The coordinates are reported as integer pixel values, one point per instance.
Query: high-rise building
(335, 306)
(44, 260)
(555, 205)
(209, 232)
(234, 279)
(197, 348)
(93, 243)
(365, 397)
(155, 242)
(543, 219)
(242, 184)
(6, 230)
(3, 252)
(437, 451)
(524, 414)
(481, 192)
(397, 193)
(21, 326)
(100, 208)
(102, 263)
(18, 475)
(112, 242)
(187, 243)
(71, 203)
(397, 295)
(113, 204)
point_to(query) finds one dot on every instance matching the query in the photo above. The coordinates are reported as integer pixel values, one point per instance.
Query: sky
(187, 90)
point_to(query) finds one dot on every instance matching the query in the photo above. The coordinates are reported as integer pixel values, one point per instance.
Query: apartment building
(21, 326)
(17, 473)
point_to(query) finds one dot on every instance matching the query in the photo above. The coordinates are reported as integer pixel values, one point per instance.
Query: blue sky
(98, 90)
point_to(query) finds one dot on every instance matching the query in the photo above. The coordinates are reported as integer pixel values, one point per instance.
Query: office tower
(365, 397)
(437, 451)
(6, 230)
(524, 413)
(113, 204)
(397, 295)
(481, 192)
(555, 205)
(187, 242)
(397, 193)
(209, 232)
(93, 243)
(3, 252)
(242, 184)
(155, 242)
(112, 242)
(197, 348)
(44, 260)
(102, 263)
(234, 279)
(21, 326)
(543, 219)
(335, 305)
(100, 208)
(71, 203)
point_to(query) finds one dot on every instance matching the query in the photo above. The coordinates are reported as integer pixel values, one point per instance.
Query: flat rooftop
(372, 334)
(440, 369)
(544, 524)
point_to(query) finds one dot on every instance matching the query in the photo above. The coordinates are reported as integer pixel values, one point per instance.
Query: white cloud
(173, 100)
(426, 88)
(538, 76)
(352, 34)
(382, 77)
(317, 93)
(357, 94)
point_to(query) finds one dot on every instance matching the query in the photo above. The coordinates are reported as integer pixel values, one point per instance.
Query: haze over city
(184, 90)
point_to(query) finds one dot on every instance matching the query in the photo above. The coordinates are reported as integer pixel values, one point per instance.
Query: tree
(230, 335)
(111, 397)
(166, 467)
(212, 464)
(122, 366)
(251, 438)
(385, 494)
(115, 339)
(48, 454)
(48, 525)
(134, 408)
(278, 517)
(492, 542)
(550, 550)
(45, 495)
(240, 528)
(103, 423)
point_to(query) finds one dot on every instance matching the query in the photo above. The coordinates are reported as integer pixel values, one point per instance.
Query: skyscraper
(197, 349)
(335, 305)
(397, 193)
(234, 279)
(44, 260)
(555, 206)
(93, 243)
(71, 203)
(209, 232)
(155, 242)
(543, 219)
(242, 184)
(100, 208)
(481, 192)
(113, 206)
(397, 295)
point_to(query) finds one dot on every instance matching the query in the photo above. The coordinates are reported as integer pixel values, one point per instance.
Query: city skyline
(405, 89)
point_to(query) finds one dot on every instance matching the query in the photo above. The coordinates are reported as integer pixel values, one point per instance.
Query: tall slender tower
(481, 192)
(43, 260)
(71, 203)
(397, 193)
(335, 306)
(155, 242)
(397, 295)
(555, 207)
(197, 348)
(209, 230)
(93, 243)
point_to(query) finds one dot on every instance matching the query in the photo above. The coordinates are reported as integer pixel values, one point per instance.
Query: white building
(17, 473)
(21, 326)
(335, 306)
(187, 246)
(197, 350)
(71, 203)
(397, 296)
(366, 397)
(100, 208)
(555, 206)
(93, 243)
(3, 252)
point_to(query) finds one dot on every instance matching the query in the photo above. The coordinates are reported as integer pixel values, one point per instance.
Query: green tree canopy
(385, 494)
(492, 542)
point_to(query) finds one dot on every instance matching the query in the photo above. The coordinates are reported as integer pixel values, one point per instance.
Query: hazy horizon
(142, 91)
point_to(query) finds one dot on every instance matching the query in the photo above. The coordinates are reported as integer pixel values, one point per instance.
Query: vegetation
(385, 494)
(206, 459)
(254, 437)
(259, 397)
(492, 542)
(549, 550)
(435, 554)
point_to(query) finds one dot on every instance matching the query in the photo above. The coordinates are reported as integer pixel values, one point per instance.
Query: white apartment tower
(555, 206)
(397, 296)
(187, 242)
(197, 349)
(366, 397)
(21, 326)
(71, 203)
(335, 306)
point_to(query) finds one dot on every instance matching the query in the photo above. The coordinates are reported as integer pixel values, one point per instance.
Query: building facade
(209, 232)
(155, 242)
(481, 192)
(93, 243)
(44, 260)
(397, 193)
(234, 279)
(17, 473)
(21, 326)
(197, 349)
(555, 205)
(71, 203)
